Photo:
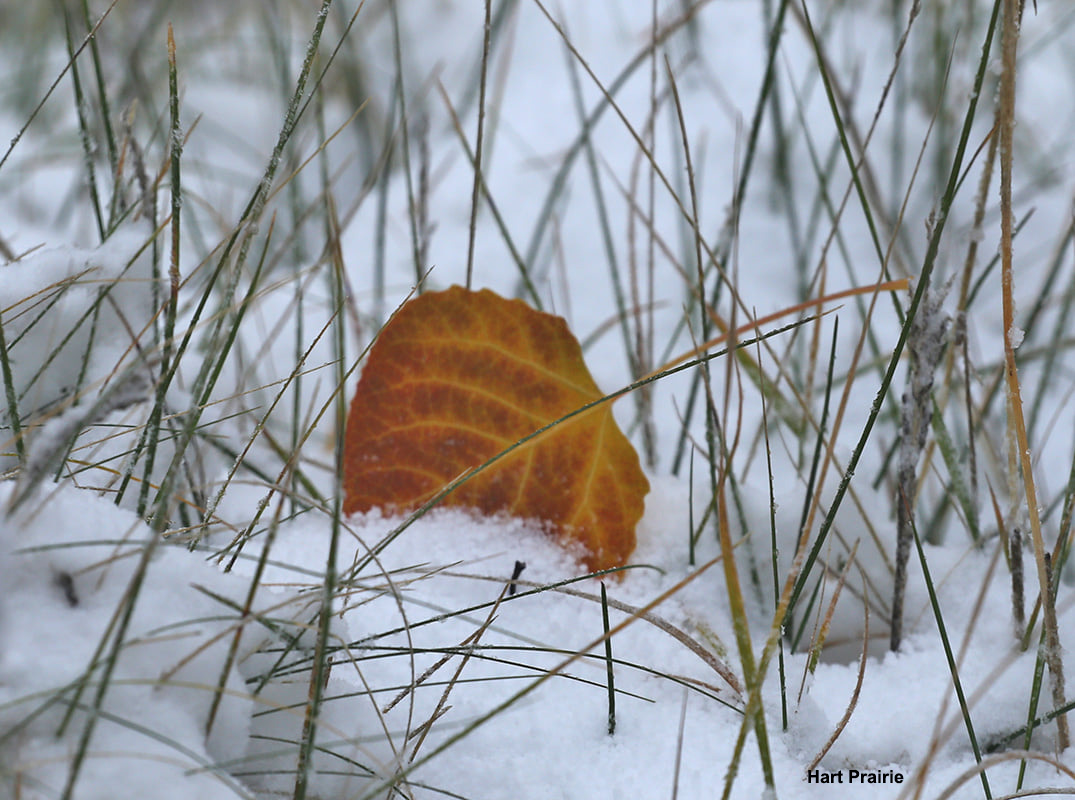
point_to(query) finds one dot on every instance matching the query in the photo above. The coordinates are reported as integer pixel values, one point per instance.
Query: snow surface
(553, 740)
(184, 712)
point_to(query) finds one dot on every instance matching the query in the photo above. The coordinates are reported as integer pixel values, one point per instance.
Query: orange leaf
(457, 377)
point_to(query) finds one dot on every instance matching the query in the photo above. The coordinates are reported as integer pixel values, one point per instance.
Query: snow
(553, 734)
(59, 286)
(440, 677)
(1015, 336)
(150, 725)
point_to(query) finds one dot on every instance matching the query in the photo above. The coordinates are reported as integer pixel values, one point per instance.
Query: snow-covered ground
(135, 665)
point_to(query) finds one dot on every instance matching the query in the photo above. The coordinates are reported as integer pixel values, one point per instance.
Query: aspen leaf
(457, 377)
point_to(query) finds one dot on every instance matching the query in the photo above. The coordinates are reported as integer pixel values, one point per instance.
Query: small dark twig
(1015, 560)
(66, 584)
(515, 573)
(608, 663)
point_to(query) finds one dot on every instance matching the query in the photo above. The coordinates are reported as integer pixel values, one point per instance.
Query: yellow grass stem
(727, 332)
(1006, 119)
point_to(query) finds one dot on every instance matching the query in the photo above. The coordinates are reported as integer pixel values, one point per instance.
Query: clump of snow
(1015, 336)
(69, 560)
(71, 316)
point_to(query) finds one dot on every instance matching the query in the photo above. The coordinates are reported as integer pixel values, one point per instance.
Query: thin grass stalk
(774, 552)
(296, 241)
(645, 151)
(637, 334)
(85, 136)
(153, 425)
(690, 512)
(819, 442)
(404, 123)
(355, 79)
(790, 422)
(784, 190)
(964, 488)
(321, 665)
(994, 262)
(266, 550)
(194, 414)
(608, 663)
(796, 635)
(644, 321)
(244, 612)
(836, 214)
(479, 142)
(336, 402)
(768, 81)
(977, 226)
(821, 632)
(425, 229)
(331, 403)
(1036, 685)
(102, 95)
(811, 357)
(754, 714)
(744, 356)
(754, 372)
(679, 746)
(9, 396)
(943, 732)
(861, 143)
(1064, 535)
(813, 492)
(380, 226)
(296, 400)
(953, 668)
(95, 317)
(1006, 120)
(500, 18)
